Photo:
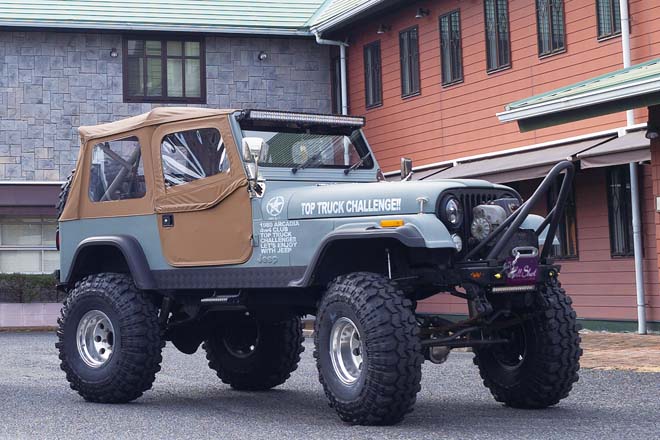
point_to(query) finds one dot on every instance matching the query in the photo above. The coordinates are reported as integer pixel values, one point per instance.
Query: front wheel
(540, 363)
(367, 350)
(109, 339)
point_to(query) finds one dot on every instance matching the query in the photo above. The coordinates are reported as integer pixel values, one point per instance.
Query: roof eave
(566, 109)
(339, 19)
(128, 27)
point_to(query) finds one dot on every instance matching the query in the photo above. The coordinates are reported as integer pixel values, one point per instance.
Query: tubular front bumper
(495, 278)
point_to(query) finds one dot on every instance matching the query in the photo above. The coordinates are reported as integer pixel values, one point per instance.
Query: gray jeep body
(295, 222)
(222, 228)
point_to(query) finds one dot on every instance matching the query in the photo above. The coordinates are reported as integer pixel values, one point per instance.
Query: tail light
(57, 239)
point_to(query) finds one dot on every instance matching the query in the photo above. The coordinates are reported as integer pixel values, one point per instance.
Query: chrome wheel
(346, 350)
(95, 338)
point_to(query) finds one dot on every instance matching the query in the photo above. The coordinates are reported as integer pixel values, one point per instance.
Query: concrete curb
(29, 315)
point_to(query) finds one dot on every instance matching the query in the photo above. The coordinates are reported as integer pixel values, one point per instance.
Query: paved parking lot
(188, 402)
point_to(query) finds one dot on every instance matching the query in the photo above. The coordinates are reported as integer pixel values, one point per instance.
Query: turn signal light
(391, 223)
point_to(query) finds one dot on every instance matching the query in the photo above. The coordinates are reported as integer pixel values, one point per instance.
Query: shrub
(27, 288)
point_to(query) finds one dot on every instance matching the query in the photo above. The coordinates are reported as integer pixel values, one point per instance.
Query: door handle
(167, 220)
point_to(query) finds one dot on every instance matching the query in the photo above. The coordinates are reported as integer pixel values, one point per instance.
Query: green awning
(625, 89)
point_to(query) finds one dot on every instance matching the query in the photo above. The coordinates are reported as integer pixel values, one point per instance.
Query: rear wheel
(254, 354)
(367, 350)
(539, 365)
(109, 339)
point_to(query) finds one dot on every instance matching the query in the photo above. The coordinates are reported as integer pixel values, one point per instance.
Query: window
(27, 245)
(372, 76)
(498, 49)
(164, 71)
(609, 18)
(619, 203)
(409, 50)
(117, 172)
(567, 227)
(193, 154)
(450, 48)
(550, 23)
(336, 85)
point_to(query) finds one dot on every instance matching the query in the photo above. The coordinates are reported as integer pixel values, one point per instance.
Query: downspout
(634, 184)
(344, 88)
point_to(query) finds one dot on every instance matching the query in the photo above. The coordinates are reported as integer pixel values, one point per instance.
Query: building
(60, 69)
(431, 76)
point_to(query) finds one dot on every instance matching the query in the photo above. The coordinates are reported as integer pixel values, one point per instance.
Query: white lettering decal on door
(277, 238)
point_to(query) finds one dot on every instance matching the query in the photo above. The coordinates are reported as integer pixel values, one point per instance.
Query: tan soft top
(156, 116)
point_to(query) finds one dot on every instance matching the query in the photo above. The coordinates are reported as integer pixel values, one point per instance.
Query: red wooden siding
(459, 120)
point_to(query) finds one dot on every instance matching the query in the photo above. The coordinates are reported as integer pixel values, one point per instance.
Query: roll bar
(514, 221)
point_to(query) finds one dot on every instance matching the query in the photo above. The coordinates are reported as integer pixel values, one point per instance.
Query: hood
(360, 199)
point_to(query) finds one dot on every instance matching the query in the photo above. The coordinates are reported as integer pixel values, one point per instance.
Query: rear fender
(87, 259)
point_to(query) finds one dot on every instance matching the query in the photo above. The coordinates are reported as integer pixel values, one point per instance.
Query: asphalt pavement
(189, 402)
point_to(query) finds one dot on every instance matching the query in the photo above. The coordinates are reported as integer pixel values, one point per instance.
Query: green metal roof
(634, 87)
(281, 17)
(337, 9)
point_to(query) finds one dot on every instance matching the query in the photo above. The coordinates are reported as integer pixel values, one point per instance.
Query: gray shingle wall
(53, 82)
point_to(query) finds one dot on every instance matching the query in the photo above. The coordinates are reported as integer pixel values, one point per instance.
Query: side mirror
(252, 149)
(406, 168)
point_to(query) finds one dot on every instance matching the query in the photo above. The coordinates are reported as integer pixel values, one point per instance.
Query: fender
(533, 221)
(130, 249)
(409, 235)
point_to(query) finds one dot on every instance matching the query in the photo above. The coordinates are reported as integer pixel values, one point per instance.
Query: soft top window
(117, 172)
(192, 155)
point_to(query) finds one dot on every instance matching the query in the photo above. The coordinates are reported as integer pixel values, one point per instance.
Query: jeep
(223, 228)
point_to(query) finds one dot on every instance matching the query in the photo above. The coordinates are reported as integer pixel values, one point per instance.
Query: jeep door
(201, 200)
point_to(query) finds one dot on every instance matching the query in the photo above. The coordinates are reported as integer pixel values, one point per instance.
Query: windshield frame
(363, 173)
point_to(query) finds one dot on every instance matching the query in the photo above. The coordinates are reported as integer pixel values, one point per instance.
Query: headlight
(451, 211)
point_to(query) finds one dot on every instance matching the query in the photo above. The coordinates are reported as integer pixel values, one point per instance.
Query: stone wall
(53, 82)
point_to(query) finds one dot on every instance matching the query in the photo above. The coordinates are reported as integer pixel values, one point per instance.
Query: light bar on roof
(304, 118)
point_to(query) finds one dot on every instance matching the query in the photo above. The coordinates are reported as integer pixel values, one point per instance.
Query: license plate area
(522, 268)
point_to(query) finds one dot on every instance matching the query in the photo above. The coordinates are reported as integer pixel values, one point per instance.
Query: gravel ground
(188, 402)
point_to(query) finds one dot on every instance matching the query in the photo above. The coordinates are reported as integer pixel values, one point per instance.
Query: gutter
(148, 27)
(344, 82)
(342, 63)
(634, 184)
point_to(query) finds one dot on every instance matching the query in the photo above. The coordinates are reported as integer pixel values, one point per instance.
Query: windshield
(311, 149)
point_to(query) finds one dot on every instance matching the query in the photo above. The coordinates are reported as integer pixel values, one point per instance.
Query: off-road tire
(64, 194)
(132, 367)
(389, 379)
(276, 353)
(550, 365)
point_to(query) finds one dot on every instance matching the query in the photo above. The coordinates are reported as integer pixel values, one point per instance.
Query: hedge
(27, 288)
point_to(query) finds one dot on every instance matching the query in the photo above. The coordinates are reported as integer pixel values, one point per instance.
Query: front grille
(472, 197)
